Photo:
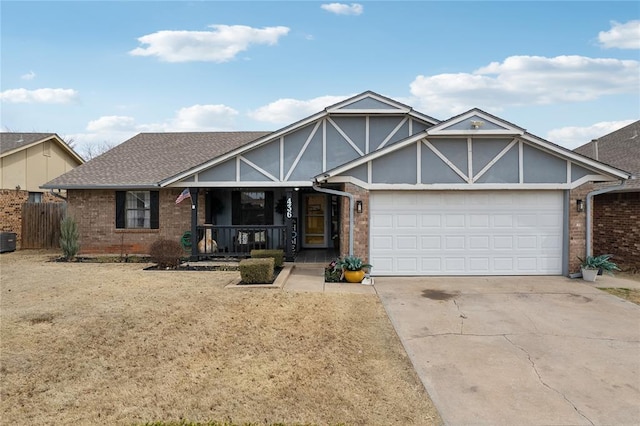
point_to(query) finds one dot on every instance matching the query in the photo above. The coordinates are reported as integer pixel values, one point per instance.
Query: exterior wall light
(580, 205)
(359, 206)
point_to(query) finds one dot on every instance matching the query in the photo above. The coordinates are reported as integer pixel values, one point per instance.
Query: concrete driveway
(519, 350)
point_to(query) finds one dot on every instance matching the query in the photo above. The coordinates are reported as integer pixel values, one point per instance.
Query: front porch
(226, 241)
(231, 222)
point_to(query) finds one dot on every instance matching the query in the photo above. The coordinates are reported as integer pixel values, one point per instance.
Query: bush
(257, 271)
(277, 255)
(69, 237)
(166, 253)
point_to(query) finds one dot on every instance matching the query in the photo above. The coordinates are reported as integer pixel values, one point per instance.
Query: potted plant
(352, 268)
(591, 265)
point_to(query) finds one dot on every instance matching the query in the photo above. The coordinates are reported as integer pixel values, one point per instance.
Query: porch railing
(238, 241)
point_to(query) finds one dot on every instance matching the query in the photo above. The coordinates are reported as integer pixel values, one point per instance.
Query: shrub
(166, 253)
(69, 237)
(257, 271)
(277, 255)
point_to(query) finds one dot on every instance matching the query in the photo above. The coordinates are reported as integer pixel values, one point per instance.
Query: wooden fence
(41, 225)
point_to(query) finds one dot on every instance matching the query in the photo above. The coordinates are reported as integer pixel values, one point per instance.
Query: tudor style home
(471, 195)
(28, 160)
(616, 209)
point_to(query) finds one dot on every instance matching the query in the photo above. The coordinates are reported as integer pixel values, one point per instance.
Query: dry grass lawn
(87, 343)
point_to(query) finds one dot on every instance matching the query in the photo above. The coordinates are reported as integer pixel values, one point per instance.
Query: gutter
(351, 208)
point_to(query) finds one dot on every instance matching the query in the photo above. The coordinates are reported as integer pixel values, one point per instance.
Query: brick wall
(11, 202)
(616, 228)
(577, 226)
(95, 212)
(361, 223)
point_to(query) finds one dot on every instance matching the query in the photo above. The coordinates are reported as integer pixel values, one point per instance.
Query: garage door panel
(468, 233)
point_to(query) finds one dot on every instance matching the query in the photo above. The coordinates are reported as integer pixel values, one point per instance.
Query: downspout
(590, 196)
(58, 195)
(351, 204)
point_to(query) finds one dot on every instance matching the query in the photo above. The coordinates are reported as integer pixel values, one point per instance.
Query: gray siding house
(471, 195)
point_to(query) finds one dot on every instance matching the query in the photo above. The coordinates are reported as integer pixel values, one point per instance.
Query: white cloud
(39, 96)
(343, 9)
(112, 130)
(203, 118)
(112, 123)
(621, 36)
(220, 45)
(526, 80)
(284, 111)
(28, 76)
(573, 137)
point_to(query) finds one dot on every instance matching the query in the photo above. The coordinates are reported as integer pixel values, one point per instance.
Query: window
(252, 208)
(137, 209)
(35, 197)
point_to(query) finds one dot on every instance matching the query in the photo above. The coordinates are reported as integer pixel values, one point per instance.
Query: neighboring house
(27, 161)
(616, 214)
(472, 195)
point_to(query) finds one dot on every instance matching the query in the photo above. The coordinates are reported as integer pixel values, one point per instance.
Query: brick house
(616, 214)
(28, 160)
(471, 195)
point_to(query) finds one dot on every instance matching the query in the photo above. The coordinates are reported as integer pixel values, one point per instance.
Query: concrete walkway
(309, 277)
(520, 350)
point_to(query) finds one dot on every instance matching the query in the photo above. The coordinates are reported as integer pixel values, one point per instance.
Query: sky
(99, 72)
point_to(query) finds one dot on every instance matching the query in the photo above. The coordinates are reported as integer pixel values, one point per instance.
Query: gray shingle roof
(619, 149)
(10, 141)
(148, 158)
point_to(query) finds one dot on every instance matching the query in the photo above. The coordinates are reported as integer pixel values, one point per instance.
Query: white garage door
(466, 232)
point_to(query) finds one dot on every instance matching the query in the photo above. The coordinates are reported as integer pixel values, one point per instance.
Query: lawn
(88, 343)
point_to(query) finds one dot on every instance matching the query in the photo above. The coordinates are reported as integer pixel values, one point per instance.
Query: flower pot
(354, 276)
(589, 274)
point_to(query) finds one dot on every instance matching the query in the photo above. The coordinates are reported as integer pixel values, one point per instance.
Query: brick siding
(11, 202)
(95, 212)
(361, 223)
(616, 228)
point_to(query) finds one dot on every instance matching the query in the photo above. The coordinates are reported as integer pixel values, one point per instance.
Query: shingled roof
(11, 142)
(149, 158)
(620, 149)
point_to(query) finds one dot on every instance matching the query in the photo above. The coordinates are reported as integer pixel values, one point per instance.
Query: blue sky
(100, 72)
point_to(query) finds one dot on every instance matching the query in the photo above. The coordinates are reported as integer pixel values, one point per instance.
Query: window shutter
(268, 207)
(154, 197)
(236, 208)
(121, 198)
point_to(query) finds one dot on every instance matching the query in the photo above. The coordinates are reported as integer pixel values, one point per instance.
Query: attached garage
(466, 232)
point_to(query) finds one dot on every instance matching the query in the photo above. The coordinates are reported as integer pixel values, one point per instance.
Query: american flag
(183, 195)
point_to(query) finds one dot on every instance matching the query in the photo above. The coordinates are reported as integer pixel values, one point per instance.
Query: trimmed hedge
(257, 271)
(277, 255)
(166, 253)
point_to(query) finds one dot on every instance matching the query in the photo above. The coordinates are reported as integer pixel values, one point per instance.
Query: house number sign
(289, 208)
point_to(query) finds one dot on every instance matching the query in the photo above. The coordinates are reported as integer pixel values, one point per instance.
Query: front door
(315, 221)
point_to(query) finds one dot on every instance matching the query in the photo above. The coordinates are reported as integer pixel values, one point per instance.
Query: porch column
(288, 216)
(194, 223)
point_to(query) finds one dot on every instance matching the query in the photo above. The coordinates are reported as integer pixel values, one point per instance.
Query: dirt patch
(88, 343)
(630, 294)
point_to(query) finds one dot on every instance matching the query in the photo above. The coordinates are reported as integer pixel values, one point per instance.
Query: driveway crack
(462, 316)
(535, 369)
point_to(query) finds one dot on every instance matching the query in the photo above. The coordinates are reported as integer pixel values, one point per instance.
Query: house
(471, 195)
(616, 213)
(27, 161)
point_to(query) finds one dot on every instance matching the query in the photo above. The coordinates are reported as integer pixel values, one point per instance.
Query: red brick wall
(361, 223)
(616, 228)
(577, 226)
(95, 212)
(11, 202)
